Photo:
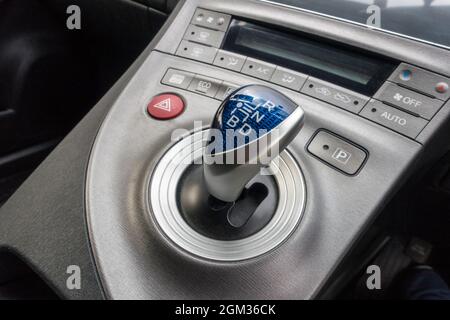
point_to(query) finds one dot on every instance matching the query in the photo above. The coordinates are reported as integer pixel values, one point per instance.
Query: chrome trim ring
(163, 186)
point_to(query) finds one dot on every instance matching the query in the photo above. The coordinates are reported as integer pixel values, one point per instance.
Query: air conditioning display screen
(423, 20)
(345, 66)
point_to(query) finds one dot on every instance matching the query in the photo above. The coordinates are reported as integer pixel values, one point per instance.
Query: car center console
(400, 97)
(373, 102)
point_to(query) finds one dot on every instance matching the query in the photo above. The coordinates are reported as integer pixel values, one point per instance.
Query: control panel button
(288, 78)
(422, 80)
(393, 118)
(258, 69)
(212, 20)
(177, 78)
(412, 101)
(205, 36)
(442, 87)
(196, 51)
(165, 106)
(337, 152)
(225, 90)
(228, 60)
(206, 86)
(335, 95)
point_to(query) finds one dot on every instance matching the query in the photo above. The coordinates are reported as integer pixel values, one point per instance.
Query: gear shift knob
(251, 127)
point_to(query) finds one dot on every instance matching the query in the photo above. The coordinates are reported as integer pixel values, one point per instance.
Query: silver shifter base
(165, 210)
(224, 220)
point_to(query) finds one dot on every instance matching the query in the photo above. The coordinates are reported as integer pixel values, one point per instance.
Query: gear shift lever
(251, 127)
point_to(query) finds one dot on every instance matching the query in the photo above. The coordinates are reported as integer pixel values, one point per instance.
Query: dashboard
(371, 100)
(376, 110)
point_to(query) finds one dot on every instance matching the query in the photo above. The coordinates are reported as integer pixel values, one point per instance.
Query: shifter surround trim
(163, 186)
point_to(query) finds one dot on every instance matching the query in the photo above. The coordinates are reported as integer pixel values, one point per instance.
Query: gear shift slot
(244, 208)
(221, 220)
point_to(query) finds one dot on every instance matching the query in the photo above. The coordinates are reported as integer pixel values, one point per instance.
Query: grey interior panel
(123, 233)
(89, 203)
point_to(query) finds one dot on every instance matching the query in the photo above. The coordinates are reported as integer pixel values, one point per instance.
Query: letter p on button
(342, 155)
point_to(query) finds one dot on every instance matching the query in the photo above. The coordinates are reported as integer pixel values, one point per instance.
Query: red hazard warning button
(165, 106)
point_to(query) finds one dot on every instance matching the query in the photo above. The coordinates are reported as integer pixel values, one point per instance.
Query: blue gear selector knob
(251, 127)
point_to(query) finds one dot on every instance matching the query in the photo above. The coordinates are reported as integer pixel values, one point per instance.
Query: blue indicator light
(405, 75)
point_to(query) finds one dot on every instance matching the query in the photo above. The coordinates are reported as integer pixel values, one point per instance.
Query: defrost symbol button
(289, 79)
(335, 95)
(196, 51)
(204, 36)
(229, 60)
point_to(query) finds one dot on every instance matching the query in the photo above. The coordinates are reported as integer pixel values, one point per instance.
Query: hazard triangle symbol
(164, 105)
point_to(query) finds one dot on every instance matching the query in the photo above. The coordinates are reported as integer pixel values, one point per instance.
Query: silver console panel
(353, 160)
(135, 257)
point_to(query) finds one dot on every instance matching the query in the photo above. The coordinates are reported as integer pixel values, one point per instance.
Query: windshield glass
(427, 20)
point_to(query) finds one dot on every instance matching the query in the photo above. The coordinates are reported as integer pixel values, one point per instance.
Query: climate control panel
(398, 96)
